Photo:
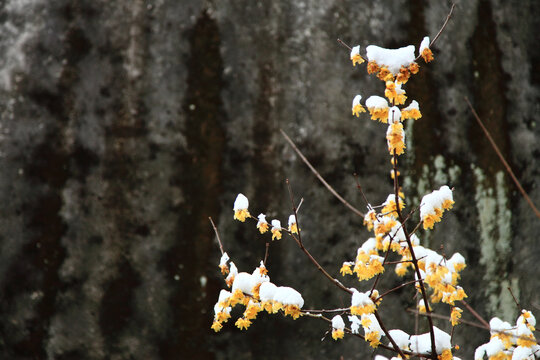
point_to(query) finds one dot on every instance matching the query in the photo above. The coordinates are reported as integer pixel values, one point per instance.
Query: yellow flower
(427, 55)
(242, 323)
(373, 338)
(240, 208)
(293, 311)
(395, 137)
(403, 75)
(337, 334)
(446, 355)
(224, 269)
(361, 310)
(372, 67)
(385, 75)
(223, 316)
(357, 108)
(252, 310)
(455, 315)
(370, 217)
(276, 229)
(346, 269)
(241, 215)
(355, 56)
(216, 326)
(237, 297)
(262, 226)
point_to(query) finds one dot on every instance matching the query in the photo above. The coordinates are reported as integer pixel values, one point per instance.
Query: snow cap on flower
(223, 263)
(293, 227)
(288, 296)
(425, 51)
(240, 208)
(262, 224)
(276, 229)
(355, 55)
(233, 271)
(412, 111)
(337, 327)
(393, 59)
(378, 108)
(361, 303)
(394, 115)
(422, 343)
(357, 108)
(401, 338)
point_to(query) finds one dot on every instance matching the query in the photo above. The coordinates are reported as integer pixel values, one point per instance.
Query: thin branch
(394, 289)
(413, 257)
(475, 314)
(444, 25)
(499, 154)
(308, 254)
(217, 235)
(392, 341)
(359, 187)
(266, 253)
(515, 299)
(321, 179)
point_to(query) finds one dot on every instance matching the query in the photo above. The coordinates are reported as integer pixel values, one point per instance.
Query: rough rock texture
(125, 124)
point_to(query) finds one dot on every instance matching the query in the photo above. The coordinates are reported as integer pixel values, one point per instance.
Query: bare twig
(217, 235)
(475, 314)
(266, 253)
(515, 299)
(443, 26)
(308, 254)
(321, 179)
(342, 43)
(359, 187)
(499, 154)
(392, 341)
(413, 257)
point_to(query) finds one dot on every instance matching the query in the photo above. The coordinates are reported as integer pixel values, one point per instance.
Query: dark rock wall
(126, 124)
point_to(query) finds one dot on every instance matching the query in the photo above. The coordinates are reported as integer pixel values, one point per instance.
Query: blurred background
(126, 124)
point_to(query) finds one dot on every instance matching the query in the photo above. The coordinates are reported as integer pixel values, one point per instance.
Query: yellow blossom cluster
(433, 206)
(511, 342)
(256, 293)
(241, 213)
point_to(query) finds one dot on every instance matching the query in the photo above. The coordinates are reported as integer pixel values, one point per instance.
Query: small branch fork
(333, 280)
(501, 157)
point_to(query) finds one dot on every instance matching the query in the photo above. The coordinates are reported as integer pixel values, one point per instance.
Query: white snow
(241, 202)
(356, 100)
(400, 337)
(262, 219)
(355, 51)
(376, 102)
(424, 45)
(288, 296)
(337, 323)
(267, 291)
(422, 343)
(224, 259)
(292, 220)
(276, 224)
(393, 59)
(355, 323)
(360, 299)
(412, 105)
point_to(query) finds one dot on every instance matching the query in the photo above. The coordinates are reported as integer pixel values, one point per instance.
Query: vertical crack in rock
(126, 142)
(48, 169)
(491, 193)
(201, 179)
